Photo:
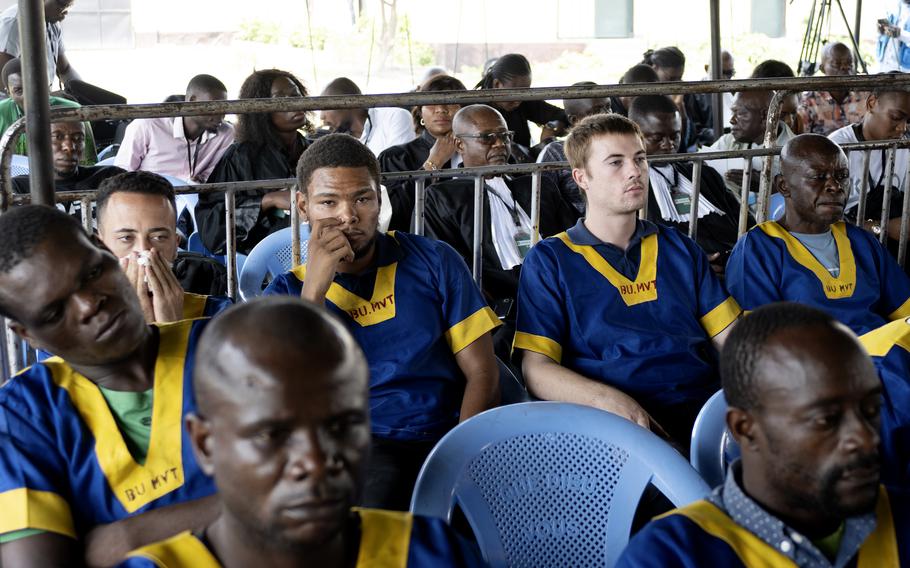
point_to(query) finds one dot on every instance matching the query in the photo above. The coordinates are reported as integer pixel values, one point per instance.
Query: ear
(200, 434)
(191, 98)
(23, 333)
(580, 177)
(459, 145)
(871, 102)
(743, 427)
(781, 185)
(573, 118)
(301, 205)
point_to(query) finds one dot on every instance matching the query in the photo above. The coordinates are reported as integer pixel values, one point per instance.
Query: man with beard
(811, 255)
(185, 147)
(410, 304)
(804, 403)
(288, 452)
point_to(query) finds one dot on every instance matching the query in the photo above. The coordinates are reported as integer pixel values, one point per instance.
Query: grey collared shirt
(748, 514)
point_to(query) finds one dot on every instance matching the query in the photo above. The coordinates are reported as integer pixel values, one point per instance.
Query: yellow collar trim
(643, 288)
(178, 551)
(133, 484)
(379, 308)
(385, 537)
(835, 288)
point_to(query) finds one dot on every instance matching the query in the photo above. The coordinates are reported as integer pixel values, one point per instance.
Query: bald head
(799, 150)
(577, 109)
(749, 116)
(273, 340)
(814, 181)
(468, 118)
(837, 59)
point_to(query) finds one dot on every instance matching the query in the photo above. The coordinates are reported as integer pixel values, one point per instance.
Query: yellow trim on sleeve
(385, 538)
(880, 548)
(643, 288)
(193, 305)
(753, 551)
(178, 552)
(31, 509)
(136, 485)
(470, 328)
(879, 342)
(834, 288)
(721, 316)
(538, 344)
(902, 312)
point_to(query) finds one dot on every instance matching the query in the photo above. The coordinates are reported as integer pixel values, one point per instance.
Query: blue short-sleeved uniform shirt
(768, 264)
(411, 313)
(64, 465)
(388, 539)
(889, 347)
(640, 320)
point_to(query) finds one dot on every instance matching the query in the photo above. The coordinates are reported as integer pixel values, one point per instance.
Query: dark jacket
(538, 112)
(244, 161)
(86, 178)
(407, 157)
(716, 233)
(450, 218)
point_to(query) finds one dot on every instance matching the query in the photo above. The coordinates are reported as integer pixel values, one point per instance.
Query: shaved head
(467, 118)
(837, 60)
(798, 150)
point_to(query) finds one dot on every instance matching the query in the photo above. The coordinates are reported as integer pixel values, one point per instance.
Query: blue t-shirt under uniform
(889, 347)
(768, 264)
(640, 320)
(411, 313)
(64, 465)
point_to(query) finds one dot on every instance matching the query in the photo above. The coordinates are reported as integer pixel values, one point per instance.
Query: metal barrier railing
(7, 197)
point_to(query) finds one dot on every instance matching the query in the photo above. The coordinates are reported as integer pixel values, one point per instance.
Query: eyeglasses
(490, 138)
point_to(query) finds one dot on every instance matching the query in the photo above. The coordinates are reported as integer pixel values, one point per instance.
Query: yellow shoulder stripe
(879, 342)
(901, 312)
(178, 552)
(470, 328)
(385, 538)
(538, 344)
(31, 509)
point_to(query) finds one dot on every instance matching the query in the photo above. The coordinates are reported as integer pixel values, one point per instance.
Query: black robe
(450, 218)
(716, 233)
(407, 157)
(538, 112)
(85, 178)
(244, 161)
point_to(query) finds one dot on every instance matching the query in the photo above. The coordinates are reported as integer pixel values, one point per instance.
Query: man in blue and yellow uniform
(92, 449)
(288, 452)
(889, 347)
(617, 312)
(811, 255)
(804, 407)
(137, 220)
(410, 303)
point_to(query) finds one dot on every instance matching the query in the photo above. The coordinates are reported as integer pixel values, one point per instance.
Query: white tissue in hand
(145, 258)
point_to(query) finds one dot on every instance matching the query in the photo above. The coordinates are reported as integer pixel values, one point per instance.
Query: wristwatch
(428, 165)
(874, 226)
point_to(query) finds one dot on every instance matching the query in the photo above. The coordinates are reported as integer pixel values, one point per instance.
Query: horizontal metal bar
(158, 110)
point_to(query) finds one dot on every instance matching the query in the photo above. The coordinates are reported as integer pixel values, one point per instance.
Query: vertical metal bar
(477, 264)
(863, 190)
(85, 206)
(717, 99)
(886, 194)
(764, 189)
(744, 197)
(420, 194)
(230, 244)
(32, 40)
(295, 224)
(696, 197)
(905, 221)
(14, 356)
(535, 207)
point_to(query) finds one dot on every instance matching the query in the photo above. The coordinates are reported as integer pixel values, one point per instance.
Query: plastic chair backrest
(550, 483)
(511, 390)
(18, 165)
(194, 244)
(777, 207)
(713, 447)
(271, 257)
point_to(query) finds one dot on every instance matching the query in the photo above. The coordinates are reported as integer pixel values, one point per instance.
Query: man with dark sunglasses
(482, 139)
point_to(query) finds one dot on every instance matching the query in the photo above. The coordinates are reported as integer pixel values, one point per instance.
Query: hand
(136, 275)
(167, 294)
(619, 403)
(328, 246)
(891, 31)
(443, 150)
(277, 200)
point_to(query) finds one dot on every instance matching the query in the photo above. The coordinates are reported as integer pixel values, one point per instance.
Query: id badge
(683, 203)
(523, 243)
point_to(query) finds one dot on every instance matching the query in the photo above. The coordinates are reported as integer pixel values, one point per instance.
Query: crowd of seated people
(168, 428)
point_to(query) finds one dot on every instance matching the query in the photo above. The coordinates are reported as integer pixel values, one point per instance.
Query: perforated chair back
(550, 484)
(269, 258)
(18, 166)
(713, 447)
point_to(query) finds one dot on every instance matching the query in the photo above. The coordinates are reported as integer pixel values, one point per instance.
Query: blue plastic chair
(777, 207)
(194, 244)
(550, 483)
(18, 165)
(713, 447)
(269, 258)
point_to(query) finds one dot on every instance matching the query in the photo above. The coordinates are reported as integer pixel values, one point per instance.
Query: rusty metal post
(295, 225)
(905, 221)
(744, 197)
(420, 194)
(477, 258)
(230, 245)
(762, 202)
(886, 194)
(863, 190)
(535, 208)
(717, 99)
(696, 196)
(33, 44)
